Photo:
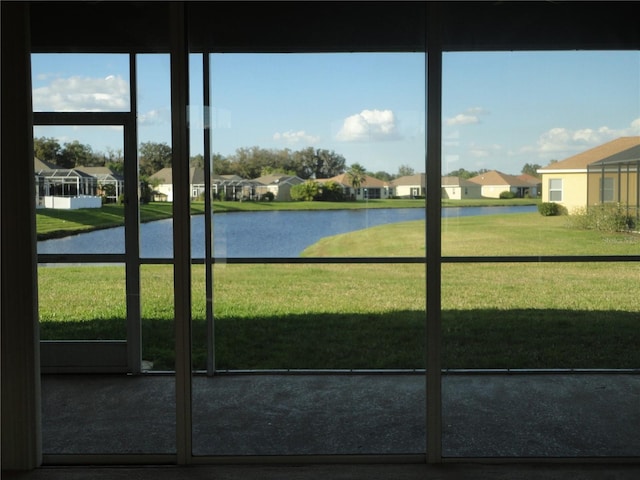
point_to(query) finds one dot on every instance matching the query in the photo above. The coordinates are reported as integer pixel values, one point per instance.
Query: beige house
(162, 182)
(410, 186)
(493, 183)
(279, 184)
(371, 188)
(456, 188)
(603, 174)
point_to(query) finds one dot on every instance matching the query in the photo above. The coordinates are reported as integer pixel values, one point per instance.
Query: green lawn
(531, 315)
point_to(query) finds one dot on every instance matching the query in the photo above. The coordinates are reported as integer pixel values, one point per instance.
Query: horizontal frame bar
(119, 258)
(81, 118)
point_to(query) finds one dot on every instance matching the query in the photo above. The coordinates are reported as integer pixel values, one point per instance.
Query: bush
(330, 192)
(548, 209)
(267, 197)
(610, 217)
(306, 191)
(507, 194)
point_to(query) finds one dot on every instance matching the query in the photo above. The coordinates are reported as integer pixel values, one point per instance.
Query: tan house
(279, 184)
(603, 174)
(456, 188)
(410, 186)
(371, 188)
(162, 182)
(493, 183)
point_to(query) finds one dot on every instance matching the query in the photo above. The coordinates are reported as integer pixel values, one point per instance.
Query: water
(254, 234)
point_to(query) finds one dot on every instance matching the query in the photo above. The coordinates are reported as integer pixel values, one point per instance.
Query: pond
(254, 234)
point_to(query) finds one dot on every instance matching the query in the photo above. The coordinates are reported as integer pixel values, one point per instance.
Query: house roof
(42, 165)
(416, 179)
(165, 175)
(278, 178)
(607, 150)
(626, 157)
(369, 181)
(529, 179)
(100, 173)
(495, 177)
(449, 181)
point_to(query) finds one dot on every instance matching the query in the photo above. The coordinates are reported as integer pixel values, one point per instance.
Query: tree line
(251, 162)
(246, 162)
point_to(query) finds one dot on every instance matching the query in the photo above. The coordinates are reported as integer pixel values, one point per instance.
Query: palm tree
(357, 175)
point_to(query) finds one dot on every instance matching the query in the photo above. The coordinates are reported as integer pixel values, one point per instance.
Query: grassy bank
(372, 316)
(52, 223)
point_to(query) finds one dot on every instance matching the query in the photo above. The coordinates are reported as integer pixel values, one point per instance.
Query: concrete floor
(484, 416)
(571, 421)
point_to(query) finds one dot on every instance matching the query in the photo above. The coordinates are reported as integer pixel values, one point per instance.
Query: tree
(221, 165)
(317, 163)
(382, 175)
(114, 160)
(47, 149)
(116, 167)
(462, 173)
(531, 169)
(329, 164)
(196, 161)
(356, 175)
(405, 171)
(153, 157)
(75, 154)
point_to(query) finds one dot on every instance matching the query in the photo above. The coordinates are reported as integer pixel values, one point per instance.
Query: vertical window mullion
(181, 228)
(132, 232)
(208, 219)
(433, 237)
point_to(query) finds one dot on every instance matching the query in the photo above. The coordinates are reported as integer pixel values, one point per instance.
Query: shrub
(610, 217)
(267, 197)
(330, 192)
(548, 209)
(306, 191)
(507, 194)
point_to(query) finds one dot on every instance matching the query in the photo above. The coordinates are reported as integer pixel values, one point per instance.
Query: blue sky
(500, 109)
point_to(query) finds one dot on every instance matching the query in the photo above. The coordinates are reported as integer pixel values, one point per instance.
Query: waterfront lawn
(562, 315)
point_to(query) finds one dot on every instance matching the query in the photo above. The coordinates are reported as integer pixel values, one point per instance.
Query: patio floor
(484, 415)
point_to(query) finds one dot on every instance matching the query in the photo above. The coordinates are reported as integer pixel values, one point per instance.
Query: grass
(562, 315)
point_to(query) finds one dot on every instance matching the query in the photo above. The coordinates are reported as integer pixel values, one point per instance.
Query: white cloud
(155, 117)
(561, 141)
(83, 94)
(468, 117)
(375, 125)
(484, 151)
(293, 138)
(462, 119)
